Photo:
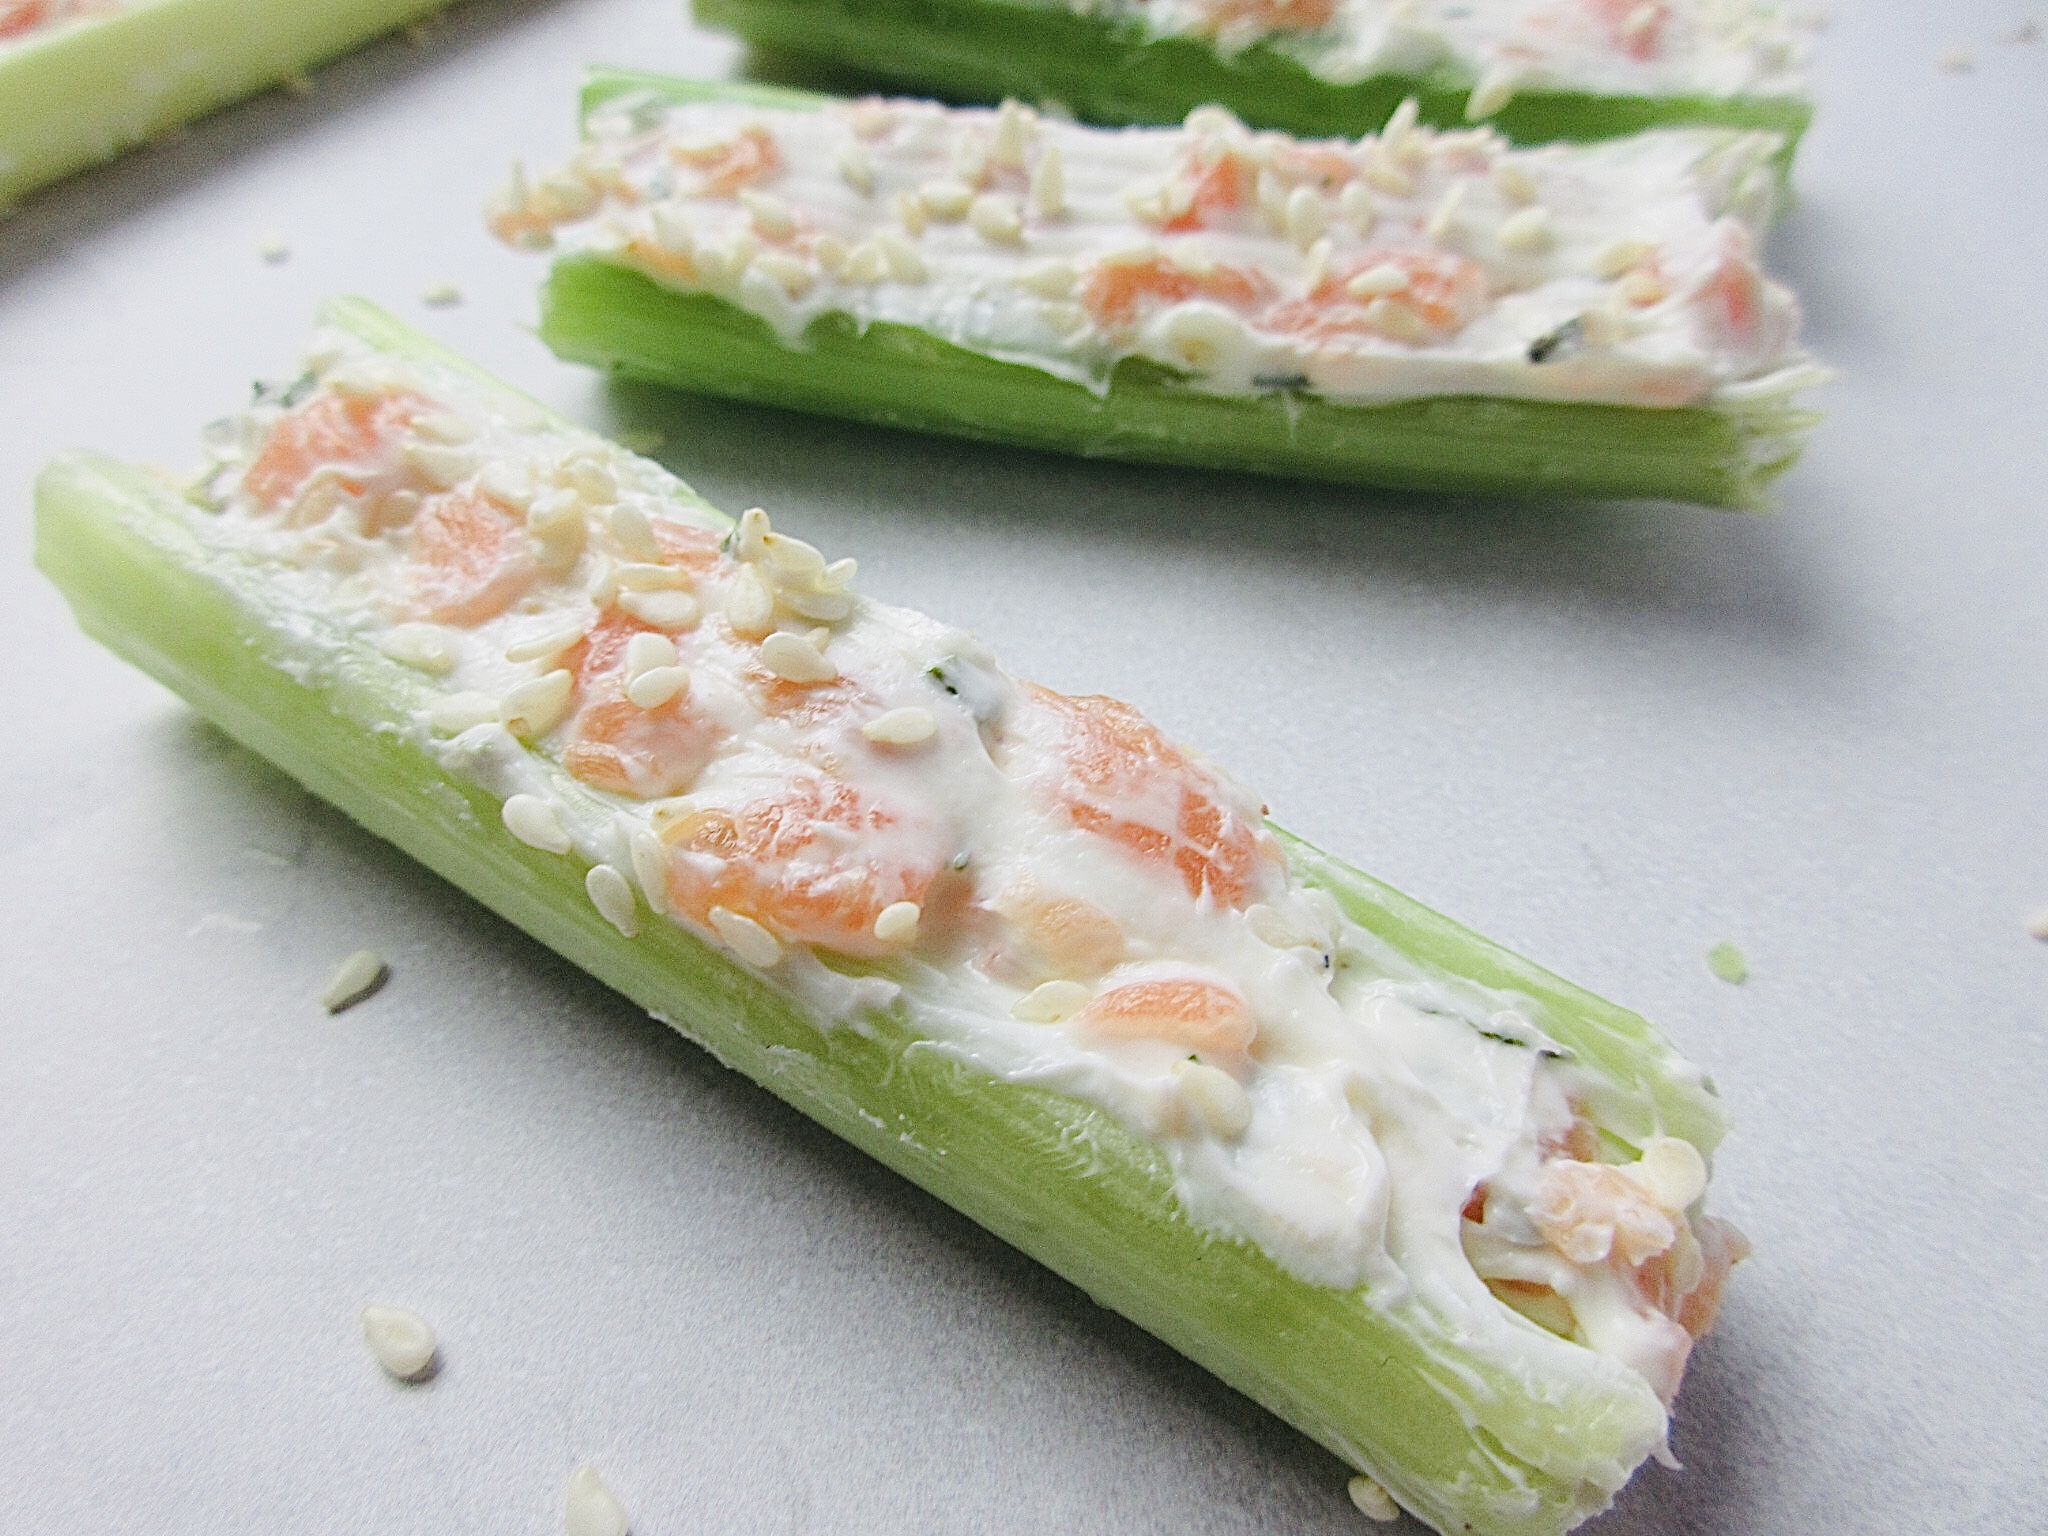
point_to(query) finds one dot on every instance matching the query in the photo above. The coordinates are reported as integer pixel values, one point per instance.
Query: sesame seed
(746, 938)
(911, 213)
(905, 727)
(354, 979)
(1496, 88)
(442, 465)
(441, 295)
(612, 895)
(947, 199)
(790, 273)
(970, 157)
(531, 709)
(638, 576)
(1387, 178)
(672, 231)
(650, 867)
(1400, 121)
(1213, 1101)
(1048, 188)
(996, 219)
(772, 217)
(897, 922)
(1443, 219)
(423, 647)
(635, 534)
(1672, 1171)
(1527, 233)
(865, 263)
(1515, 183)
(1377, 281)
(534, 822)
(591, 1510)
(1013, 128)
(749, 606)
(750, 540)
(1602, 327)
(1621, 256)
(1355, 206)
(1270, 192)
(1050, 279)
(856, 170)
(1372, 1500)
(400, 1341)
(1642, 289)
(645, 652)
(459, 712)
(445, 427)
(1307, 216)
(545, 647)
(902, 259)
(1318, 270)
(1396, 322)
(839, 574)
(872, 117)
(795, 659)
(1050, 1002)
(656, 686)
(667, 608)
(826, 607)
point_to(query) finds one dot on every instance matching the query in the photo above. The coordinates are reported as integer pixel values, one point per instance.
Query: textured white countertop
(1608, 737)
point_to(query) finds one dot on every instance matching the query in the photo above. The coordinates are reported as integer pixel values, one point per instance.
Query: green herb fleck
(1726, 962)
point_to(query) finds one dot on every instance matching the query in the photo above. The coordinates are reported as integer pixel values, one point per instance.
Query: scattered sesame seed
(459, 712)
(1306, 217)
(1673, 1172)
(997, 219)
(746, 938)
(628, 524)
(361, 974)
(1956, 61)
(1048, 188)
(897, 922)
(667, 608)
(1356, 207)
(970, 157)
(1214, 1101)
(1013, 128)
(401, 1341)
(1515, 183)
(857, 170)
(1496, 88)
(790, 273)
(545, 647)
(535, 707)
(534, 822)
(865, 263)
(749, 605)
(1377, 281)
(1443, 219)
(905, 727)
(423, 647)
(273, 248)
(1049, 279)
(657, 685)
(945, 200)
(672, 231)
(1527, 233)
(1050, 1002)
(750, 538)
(444, 465)
(441, 295)
(2037, 925)
(591, 1510)
(772, 217)
(1383, 176)
(1372, 1500)
(795, 659)
(650, 868)
(612, 894)
(1642, 289)
(1728, 963)
(910, 212)
(1620, 257)
(645, 652)
(902, 259)
(445, 427)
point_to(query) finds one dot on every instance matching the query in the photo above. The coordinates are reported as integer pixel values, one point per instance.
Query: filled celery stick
(1418, 309)
(1537, 70)
(83, 80)
(1435, 1207)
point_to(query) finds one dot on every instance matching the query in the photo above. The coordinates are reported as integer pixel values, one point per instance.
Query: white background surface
(1609, 737)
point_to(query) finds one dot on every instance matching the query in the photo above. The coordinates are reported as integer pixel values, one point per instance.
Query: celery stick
(597, 310)
(1463, 1441)
(1113, 70)
(87, 91)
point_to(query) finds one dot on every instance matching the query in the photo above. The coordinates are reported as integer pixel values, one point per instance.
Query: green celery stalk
(88, 91)
(1465, 1443)
(1112, 70)
(607, 315)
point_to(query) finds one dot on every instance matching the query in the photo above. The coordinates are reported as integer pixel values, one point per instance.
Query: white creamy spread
(1608, 47)
(1409, 264)
(857, 803)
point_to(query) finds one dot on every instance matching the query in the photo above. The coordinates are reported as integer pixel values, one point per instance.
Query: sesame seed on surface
(1372, 1500)
(1050, 1002)
(1527, 233)
(534, 822)
(746, 938)
(996, 219)
(612, 894)
(459, 712)
(547, 646)
(645, 652)
(657, 686)
(664, 608)
(590, 1509)
(897, 922)
(905, 727)
(749, 605)
(1213, 1100)
(796, 659)
(356, 978)
(535, 707)
(423, 647)
(401, 1342)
